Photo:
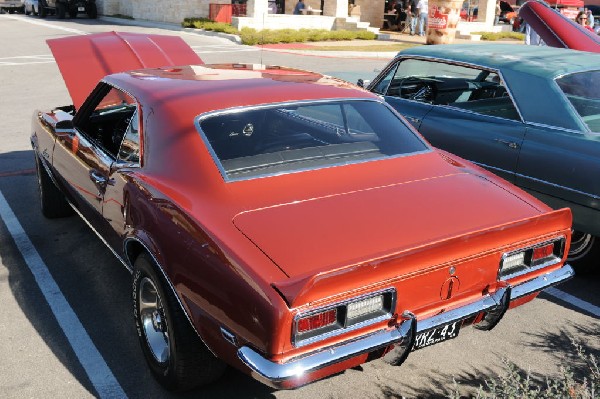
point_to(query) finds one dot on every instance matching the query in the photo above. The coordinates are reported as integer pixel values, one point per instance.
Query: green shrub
(251, 36)
(493, 36)
(517, 383)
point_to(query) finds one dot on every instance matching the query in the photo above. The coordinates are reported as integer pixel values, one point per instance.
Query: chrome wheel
(153, 320)
(581, 244)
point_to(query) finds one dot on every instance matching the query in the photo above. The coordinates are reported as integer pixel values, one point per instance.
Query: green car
(529, 114)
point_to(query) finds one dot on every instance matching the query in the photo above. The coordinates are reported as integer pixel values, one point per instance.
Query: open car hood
(84, 60)
(557, 30)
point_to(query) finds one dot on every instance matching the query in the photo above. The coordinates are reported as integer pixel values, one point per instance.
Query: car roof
(205, 88)
(541, 61)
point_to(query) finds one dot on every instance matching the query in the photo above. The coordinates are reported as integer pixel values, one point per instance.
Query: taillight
(525, 260)
(342, 317)
(317, 321)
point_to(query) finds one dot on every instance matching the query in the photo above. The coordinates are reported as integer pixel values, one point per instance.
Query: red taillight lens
(543, 252)
(318, 320)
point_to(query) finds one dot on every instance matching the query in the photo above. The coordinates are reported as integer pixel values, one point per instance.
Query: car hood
(322, 234)
(84, 60)
(557, 30)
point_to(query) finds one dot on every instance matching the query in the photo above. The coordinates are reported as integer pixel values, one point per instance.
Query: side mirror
(363, 83)
(65, 124)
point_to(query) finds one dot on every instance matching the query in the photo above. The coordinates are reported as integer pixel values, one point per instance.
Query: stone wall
(173, 11)
(371, 11)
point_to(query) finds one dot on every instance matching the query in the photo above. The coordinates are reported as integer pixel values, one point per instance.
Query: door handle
(510, 144)
(412, 119)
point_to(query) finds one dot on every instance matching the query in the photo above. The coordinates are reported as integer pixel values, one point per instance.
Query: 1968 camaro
(283, 222)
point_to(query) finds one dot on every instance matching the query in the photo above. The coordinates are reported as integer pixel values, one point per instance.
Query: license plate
(80, 8)
(435, 335)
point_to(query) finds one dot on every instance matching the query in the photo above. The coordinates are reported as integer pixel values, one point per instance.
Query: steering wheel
(422, 90)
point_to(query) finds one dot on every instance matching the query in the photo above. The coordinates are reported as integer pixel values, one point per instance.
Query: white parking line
(45, 24)
(99, 373)
(573, 300)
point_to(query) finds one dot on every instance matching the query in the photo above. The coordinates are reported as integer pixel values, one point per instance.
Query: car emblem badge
(248, 130)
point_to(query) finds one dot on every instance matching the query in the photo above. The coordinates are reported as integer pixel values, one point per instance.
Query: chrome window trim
(401, 58)
(240, 109)
(298, 343)
(570, 105)
(593, 196)
(561, 239)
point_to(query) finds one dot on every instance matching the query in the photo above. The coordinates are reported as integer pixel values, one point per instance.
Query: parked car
(529, 114)
(31, 7)
(11, 6)
(72, 8)
(280, 221)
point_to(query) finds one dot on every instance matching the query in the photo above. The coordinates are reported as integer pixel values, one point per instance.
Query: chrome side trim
(539, 283)
(291, 374)
(596, 197)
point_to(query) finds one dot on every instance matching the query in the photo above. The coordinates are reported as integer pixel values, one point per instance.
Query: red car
(280, 221)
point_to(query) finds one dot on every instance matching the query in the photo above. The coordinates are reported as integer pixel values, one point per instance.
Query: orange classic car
(283, 222)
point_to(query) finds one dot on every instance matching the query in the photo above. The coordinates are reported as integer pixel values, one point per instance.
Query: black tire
(61, 10)
(42, 9)
(178, 359)
(52, 201)
(92, 10)
(73, 11)
(584, 254)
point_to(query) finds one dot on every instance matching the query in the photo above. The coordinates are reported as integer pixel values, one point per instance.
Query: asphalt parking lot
(66, 319)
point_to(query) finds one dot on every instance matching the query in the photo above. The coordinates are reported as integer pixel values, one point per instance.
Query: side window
(130, 146)
(106, 122)
(438, 83)
(382, 85)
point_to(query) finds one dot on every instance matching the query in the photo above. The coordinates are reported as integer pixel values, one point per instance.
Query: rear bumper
(296, 372)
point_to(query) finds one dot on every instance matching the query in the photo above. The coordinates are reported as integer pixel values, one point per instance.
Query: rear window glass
(583, 91)
(279, 139)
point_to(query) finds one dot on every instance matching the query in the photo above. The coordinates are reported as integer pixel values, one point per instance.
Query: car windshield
(277, 139)
(583, 91)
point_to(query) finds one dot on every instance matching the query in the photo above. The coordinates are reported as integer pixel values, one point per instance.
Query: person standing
(590, 17)
(498, 13)
(582, 20)
(422, 11)
(411, 14)
(299, 7)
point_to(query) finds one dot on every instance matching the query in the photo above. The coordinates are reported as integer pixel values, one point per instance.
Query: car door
(388, 84)
(471, 112)
(561, 165)
(84, 156)
(116, 198)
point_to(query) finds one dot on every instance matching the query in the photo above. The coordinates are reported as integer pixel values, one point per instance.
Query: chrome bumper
(293, 373)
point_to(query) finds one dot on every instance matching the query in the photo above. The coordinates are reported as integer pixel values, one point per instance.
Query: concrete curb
(168, 26)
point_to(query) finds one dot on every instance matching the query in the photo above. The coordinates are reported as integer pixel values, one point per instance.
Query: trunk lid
(316, 239)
